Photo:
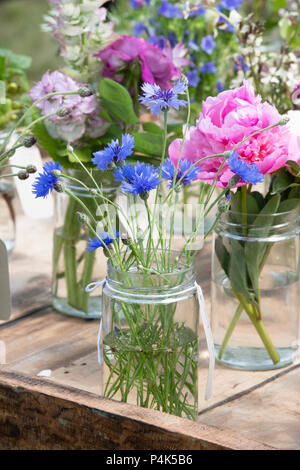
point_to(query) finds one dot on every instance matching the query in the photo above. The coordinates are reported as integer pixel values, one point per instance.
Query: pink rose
(225, 121)
(156, 66)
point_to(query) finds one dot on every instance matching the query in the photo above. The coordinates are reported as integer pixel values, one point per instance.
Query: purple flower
(136, 3)
(138, 29)
(220, 86)
(104, 239)
(45, 182)
(208, 44)
(193, 77)
(248, 173)
(208, 67)
(230, 4)
(193, 45)
(82, 112)
(199, 12)
(184, 171)
(137, 179)
(160, 100)
(172, 38)
(114, 152)
(241, 64)
(169, 10)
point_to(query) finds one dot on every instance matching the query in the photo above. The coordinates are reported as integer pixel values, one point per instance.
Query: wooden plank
(40, 415)
(67, 346)
(270, 412)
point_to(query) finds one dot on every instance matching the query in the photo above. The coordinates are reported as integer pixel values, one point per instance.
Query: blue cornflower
(248, 173)
(172, 38)
(169, 170)
(230, 4)
(220, 86)
(107, 239)
(156, 40)
(136, 3)
(114, 152)
(208, 67)
(208, 44)
(241, 64)
(193, 77)
(137, 179)
(169, 10)
(158, 100)
(46, 181)
(139, 28)
(199, 12)
(193, 45)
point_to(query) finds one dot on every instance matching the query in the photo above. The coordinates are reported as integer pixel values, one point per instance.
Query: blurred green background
(20, 31)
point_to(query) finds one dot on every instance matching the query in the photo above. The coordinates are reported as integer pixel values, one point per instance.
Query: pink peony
(156, 65)
(225, 121)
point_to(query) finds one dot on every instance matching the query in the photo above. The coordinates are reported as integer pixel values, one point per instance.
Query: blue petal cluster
(45, 182)
(114, 152)
(208, 44)
(193, 77)
(184, 170)
(107, 239)
(158, 100)
(137, 179)
(230, 4)
(139, 28)
(208, 67)
(169, 10)
(249, 173)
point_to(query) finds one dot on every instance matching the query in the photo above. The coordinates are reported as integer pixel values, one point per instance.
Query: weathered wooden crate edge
(39, 414)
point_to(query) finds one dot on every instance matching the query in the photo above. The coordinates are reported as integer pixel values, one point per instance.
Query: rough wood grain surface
(40, 415)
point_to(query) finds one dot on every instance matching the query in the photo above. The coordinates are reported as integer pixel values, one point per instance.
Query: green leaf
(238, 270)
(289, 205)
(117, 101)
(259, 199)
(84, 155)
(2, 92)
(255, 250)
(294, 165)
(16, 61)
(282, 181)
(113, 132)
(2, 67)
(222, 255)
(148, 143)
(153, 128)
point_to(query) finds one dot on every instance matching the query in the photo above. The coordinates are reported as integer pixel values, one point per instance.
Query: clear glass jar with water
(73, 267)
(262, 333)
(150, 339)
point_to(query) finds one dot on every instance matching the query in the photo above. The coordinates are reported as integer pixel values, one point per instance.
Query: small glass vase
(7, 209)
(150, 340)
(251, 334)
(7, 214)
(73, 267)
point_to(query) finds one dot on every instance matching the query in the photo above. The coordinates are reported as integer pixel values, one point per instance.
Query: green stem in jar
(230, 329)
(260, 328)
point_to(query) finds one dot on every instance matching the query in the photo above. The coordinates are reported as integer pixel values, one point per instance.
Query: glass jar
(73, 267)
(7, 209)
(7, 214)
(150, 340)
(255, 290)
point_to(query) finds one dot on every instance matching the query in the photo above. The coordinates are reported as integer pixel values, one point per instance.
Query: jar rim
(143, 281)
(281, 225)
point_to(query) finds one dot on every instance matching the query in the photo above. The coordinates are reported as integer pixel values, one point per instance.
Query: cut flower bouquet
(149, 346)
